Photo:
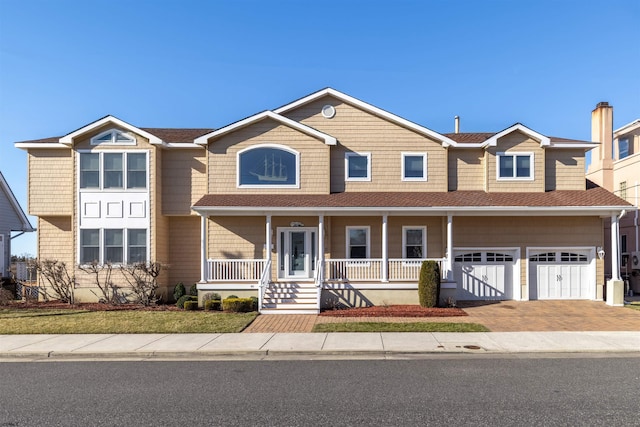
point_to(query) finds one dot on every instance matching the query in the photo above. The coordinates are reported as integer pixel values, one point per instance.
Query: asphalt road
(440, 391)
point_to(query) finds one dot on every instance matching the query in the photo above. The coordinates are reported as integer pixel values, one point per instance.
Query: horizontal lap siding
(55, 239)
(314, 158)
(466, 170)
(435, 246)
(184, 180)
(51, 182)
(564, 169)
(236, 237)
(359, 131)
(513, 143)
(184, 250)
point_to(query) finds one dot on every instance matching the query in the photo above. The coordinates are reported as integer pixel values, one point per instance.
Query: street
(434, 391)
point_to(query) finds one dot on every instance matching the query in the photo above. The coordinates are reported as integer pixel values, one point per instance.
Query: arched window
(113, 137)
(268, 166)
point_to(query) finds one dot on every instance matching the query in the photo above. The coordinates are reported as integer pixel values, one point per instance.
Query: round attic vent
(328, 111)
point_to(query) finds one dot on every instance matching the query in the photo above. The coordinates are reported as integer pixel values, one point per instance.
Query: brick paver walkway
(505, 316)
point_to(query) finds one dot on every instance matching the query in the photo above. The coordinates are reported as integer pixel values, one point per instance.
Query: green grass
(43, 321)
(399, 327)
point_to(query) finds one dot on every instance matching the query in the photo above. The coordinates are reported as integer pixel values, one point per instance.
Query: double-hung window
(357, 166)
(358, 242)
(113, 171)
(414, 242)
(515, 166)
(115, 246)
(414, 166)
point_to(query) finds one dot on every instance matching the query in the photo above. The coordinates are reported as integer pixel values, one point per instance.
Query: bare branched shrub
(6, 296)
(143, 280)
(61, 282)
(102, 279)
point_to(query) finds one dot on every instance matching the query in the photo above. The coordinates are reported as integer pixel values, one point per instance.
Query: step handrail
(263, 283)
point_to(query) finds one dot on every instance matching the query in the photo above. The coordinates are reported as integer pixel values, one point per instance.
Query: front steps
(291, 298)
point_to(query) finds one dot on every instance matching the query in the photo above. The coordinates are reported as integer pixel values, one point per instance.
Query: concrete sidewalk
(261, 345)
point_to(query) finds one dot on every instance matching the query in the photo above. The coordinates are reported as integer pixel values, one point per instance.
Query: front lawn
(399, 327)
(72, 321)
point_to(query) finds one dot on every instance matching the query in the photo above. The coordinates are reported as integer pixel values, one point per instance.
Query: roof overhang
(629, 127)
(26, 225)
(493, 141)
(204, 139)
(67, 140)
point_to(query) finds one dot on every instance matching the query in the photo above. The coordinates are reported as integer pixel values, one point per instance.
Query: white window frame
(424, 166)
(125, 170)
(102, 244)
(515, 154)
(277, 147)
(347, 157)
(348, 241)
(113, 141)
(406, 228)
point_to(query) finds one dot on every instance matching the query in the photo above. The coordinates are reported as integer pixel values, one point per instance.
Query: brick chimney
(601, 166)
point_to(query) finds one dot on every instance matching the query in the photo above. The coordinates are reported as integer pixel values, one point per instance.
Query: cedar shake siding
(51, 182)
(564, 170)
(466, 169)
(515, 143)
(184, 250)
(184, 180)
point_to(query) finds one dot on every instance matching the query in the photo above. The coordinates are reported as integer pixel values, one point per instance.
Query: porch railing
(263, 284)
(235, 270)
(398, 269)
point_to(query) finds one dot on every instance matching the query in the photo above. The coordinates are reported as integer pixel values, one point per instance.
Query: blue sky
(181, 63)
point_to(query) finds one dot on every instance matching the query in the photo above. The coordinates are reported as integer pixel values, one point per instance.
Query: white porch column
(615, 251)
(268, 238)
(320, 239)
(203, 248)
(449, 263)
(384, 271)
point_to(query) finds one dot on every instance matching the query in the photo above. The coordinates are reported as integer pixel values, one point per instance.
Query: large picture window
(268, 165)
(515, 166)
(358, 242)
(107, 171)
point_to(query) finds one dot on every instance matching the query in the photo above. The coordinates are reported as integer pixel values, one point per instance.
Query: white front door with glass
(297, 252)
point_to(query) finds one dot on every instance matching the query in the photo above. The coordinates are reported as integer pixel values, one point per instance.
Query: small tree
(60, 281)
(179, 291)
(108, 289)
(143, 279)
(429, 284)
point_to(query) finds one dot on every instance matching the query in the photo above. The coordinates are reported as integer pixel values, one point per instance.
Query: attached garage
(562, 274)
(483, 274)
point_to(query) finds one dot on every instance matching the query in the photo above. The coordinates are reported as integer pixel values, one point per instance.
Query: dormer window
(113, 137)
(515, 166)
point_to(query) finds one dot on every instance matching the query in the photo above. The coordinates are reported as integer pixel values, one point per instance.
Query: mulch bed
(395, 311)
(56, 305)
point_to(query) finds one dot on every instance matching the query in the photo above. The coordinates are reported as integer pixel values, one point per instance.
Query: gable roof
(13, 202)
(68, 138)
(368, 108)
(204, 139)
(629, 127)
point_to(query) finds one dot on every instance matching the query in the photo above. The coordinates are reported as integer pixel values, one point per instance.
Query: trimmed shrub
(193, 290)
(211, 295)
(232, 296)
(191, 305)
(212, 305)
(237, 305)
(429, 284)
(254, 303)
(178, 291)
(185, 298)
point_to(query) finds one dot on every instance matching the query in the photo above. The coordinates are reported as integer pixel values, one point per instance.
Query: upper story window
(114, 137)
(113, 171)
(357, 166)
(414, 242)
(268, 166)
(414, 166)
(623, 148)
(358, 242)
(515, 166)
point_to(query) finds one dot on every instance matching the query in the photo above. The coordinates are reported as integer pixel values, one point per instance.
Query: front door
(296, 252)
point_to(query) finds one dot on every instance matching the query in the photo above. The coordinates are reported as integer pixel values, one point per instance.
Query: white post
(268, 238)
(203, 248)
(384, 272)
(449, 261)
(320, 239)
(615, 252)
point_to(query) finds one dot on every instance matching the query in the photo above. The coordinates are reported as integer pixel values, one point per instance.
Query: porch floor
(503, 316)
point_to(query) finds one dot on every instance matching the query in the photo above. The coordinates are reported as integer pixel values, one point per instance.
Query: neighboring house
(12, 218)
(615, 165)
(327, 200)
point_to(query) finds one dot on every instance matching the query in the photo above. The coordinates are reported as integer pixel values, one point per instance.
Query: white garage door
(484, 275)
(560, 275)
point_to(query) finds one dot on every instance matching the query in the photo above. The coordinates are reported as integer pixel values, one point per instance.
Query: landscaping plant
(429, 284)
(60, 281)
(178, 291)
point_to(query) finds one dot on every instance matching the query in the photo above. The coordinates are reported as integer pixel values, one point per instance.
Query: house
(325, 201)
(615, 165)
(12, 218)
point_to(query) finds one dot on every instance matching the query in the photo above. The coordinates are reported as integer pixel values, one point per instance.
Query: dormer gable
(544, 141)
(69, 139)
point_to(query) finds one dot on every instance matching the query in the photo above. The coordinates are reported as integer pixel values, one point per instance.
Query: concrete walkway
(311, 345)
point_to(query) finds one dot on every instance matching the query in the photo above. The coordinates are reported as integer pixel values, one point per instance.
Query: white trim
(277, 147)
(515, 154)
(370, 109)
(424, 177)
(348, 243)
(284, 273)
(125, 165)
(375, 285)
(423, 229)
(68, 139)
(629, 127)
(226, 286)
(29, 145)
(493, 141)
(516, 288)
(125, 243)
(204, 139)
(347, 156)
(113, 131)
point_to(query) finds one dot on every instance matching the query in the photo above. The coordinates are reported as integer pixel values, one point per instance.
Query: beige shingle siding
(466, 169)
(236, 237)
(51, 182)
(314, 158)
(359, 131)
(184, 180)
(55, 239)
(184, 250)
(513, 143)
(564, 169)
